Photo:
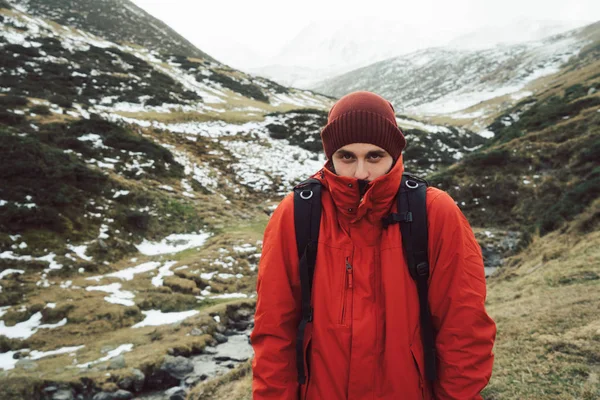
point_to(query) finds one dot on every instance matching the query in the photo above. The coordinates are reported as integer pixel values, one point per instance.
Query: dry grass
(547, 308)
(235, 385)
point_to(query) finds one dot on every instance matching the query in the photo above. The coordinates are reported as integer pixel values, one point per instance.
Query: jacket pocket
(346, 298)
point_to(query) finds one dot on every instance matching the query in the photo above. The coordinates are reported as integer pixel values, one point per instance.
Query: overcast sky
(263, 27)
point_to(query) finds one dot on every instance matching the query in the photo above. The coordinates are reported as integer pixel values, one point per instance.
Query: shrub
(40, 109)
(572, 202)
(13, 101)
(247, 90)
(8, 118)
(60, 100)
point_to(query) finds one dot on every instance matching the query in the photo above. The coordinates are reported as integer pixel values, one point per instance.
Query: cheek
(381, 168)
(342, 168)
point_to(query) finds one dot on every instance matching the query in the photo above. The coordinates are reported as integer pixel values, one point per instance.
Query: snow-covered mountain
(114, 20)
(446, 81)
(325, 49)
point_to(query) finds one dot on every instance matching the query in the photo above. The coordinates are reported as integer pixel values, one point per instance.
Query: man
(365, 339)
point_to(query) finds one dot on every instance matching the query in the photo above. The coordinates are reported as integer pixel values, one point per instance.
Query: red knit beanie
(362, 117)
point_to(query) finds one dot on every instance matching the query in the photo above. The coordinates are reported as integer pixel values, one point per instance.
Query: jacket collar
(377, 200)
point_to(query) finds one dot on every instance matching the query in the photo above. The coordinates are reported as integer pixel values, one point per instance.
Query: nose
(361, 172)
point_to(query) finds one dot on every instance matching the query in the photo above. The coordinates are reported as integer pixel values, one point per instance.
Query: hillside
(465, 85)
(118, 21)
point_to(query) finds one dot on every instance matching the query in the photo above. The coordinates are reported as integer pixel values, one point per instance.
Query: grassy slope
(546, 306)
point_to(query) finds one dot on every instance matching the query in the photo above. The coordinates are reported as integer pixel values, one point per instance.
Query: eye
(375, 157)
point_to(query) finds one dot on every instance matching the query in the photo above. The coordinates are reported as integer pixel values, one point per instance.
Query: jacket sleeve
(277, 310)
(457, 290)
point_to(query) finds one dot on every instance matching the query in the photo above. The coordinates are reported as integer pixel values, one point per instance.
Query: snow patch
(157, 317)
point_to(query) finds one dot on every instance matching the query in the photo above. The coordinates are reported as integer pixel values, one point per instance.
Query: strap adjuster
(422, 269)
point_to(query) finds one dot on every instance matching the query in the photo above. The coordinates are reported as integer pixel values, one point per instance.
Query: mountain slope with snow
(445, 81)
(324, 50)
(115, 20)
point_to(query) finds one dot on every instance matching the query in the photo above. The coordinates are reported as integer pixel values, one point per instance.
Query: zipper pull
(349, 272)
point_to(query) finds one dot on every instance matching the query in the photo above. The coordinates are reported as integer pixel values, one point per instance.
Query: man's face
(362, 161)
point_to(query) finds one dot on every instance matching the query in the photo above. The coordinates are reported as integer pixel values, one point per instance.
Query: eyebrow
(370, 153)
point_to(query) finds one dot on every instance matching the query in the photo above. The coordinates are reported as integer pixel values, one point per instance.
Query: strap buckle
(422, 269)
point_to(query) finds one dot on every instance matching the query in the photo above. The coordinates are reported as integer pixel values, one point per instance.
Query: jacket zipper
(347, 286)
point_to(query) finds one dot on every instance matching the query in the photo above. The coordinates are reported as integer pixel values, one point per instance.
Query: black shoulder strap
(412, 215)
(307, 221)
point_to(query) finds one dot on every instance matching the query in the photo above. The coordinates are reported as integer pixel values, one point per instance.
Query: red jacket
(365, 341)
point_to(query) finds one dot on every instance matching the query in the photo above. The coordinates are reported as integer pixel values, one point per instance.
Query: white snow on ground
(229, 296)
(173, 243)
(261, 161)
(25, 329)
(7, 272)
(245, 248)
(80, 251)
(157, 317)
(163, 272)
(124, 348)
(36, 355)
(409, 123)
(121, 193)
(486, 134)
(207, 276)
(95, 139)
(117, 296)
(128, 273)
(7, 361)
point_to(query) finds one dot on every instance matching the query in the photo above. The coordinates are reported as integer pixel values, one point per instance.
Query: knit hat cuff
(359, 126)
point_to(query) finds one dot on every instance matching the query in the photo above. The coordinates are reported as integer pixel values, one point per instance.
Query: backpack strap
(412, 217)
(307, 221)
(412, 204)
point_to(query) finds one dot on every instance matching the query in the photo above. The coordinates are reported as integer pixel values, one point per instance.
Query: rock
(210, 350)
(222, 358)
(230, 332)
(203, 377)
(122, 395)
(230, 365)
(177, 367)
(50, 389)
(220, 338)
(176, 393)
(243, 314)
(138, 380)
(20, 354)
(197, 332)
(241, 325)
(117, 362)
(63, 395)
(118, 395)
(220, 328)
